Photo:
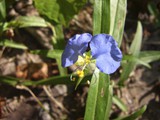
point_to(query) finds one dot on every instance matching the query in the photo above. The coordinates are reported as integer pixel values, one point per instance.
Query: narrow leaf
(117, 18)
(12, 44)
(135, 115)
(137, 41)
(149, 56)
(101, 16)
(134, 51)
(92, 97)
(2, 10)
(48, 53)
(117, 101)
(9, 80)
(99, 99)
(26, 21)
(66, 79)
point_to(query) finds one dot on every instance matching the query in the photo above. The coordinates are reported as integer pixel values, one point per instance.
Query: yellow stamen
(83, 60)
(80, 73)
(87, 59)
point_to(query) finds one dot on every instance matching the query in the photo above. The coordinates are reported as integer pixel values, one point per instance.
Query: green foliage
(12, 44)
(55, 80)
(152, 8)
(99, 97)
(60, 42)
(134, 51)
(136, 56)
(59, 11)
(149, 56)
(117, 101)
(101, 16)
(26, 21)
(134, 115)
(117, 19)
(2, 10)
(9, 80)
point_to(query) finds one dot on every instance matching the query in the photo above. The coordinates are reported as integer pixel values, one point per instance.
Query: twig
(22, 87)
(47, 91)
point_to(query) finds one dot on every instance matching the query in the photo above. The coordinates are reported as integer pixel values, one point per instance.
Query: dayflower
(104, 50)
(77, 45)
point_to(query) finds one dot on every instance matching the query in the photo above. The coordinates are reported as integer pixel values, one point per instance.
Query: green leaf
(9, 80)
(134, 51)
(149, 56)
(12, 44)
(117, 101)
(26, 21)
(137, 41)
(48, 53)
(99, 99)
(117, 19)
(48, 8)
(59, 11)
(60, 42)
(78, 82)
(66, 79)
(2, 10)
(134, 115)
(137, 60)
(101, 16)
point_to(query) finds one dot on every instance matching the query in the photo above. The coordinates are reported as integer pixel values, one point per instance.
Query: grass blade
(134, 50)
(119, 103)
(101, 16)
(117, 19)
(134, 115)
(12, 44)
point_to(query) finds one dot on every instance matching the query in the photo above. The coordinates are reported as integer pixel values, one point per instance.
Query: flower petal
(76, 46)
(106, 52)
(69, 56)
(105, 63)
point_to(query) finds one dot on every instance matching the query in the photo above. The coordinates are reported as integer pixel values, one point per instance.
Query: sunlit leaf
(137, 41)
(101, 16)
(26, 21)
(99, 99)
(12, 44)
(2, 10)
(59, 11)
(117, 18)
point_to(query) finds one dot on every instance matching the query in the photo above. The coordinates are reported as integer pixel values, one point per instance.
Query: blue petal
(76, 45)
(106, 52)
(100, 44)
(105, 63)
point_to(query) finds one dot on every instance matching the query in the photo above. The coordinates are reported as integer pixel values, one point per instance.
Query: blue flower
(103, 48)
(106, 52)
(77, 45)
